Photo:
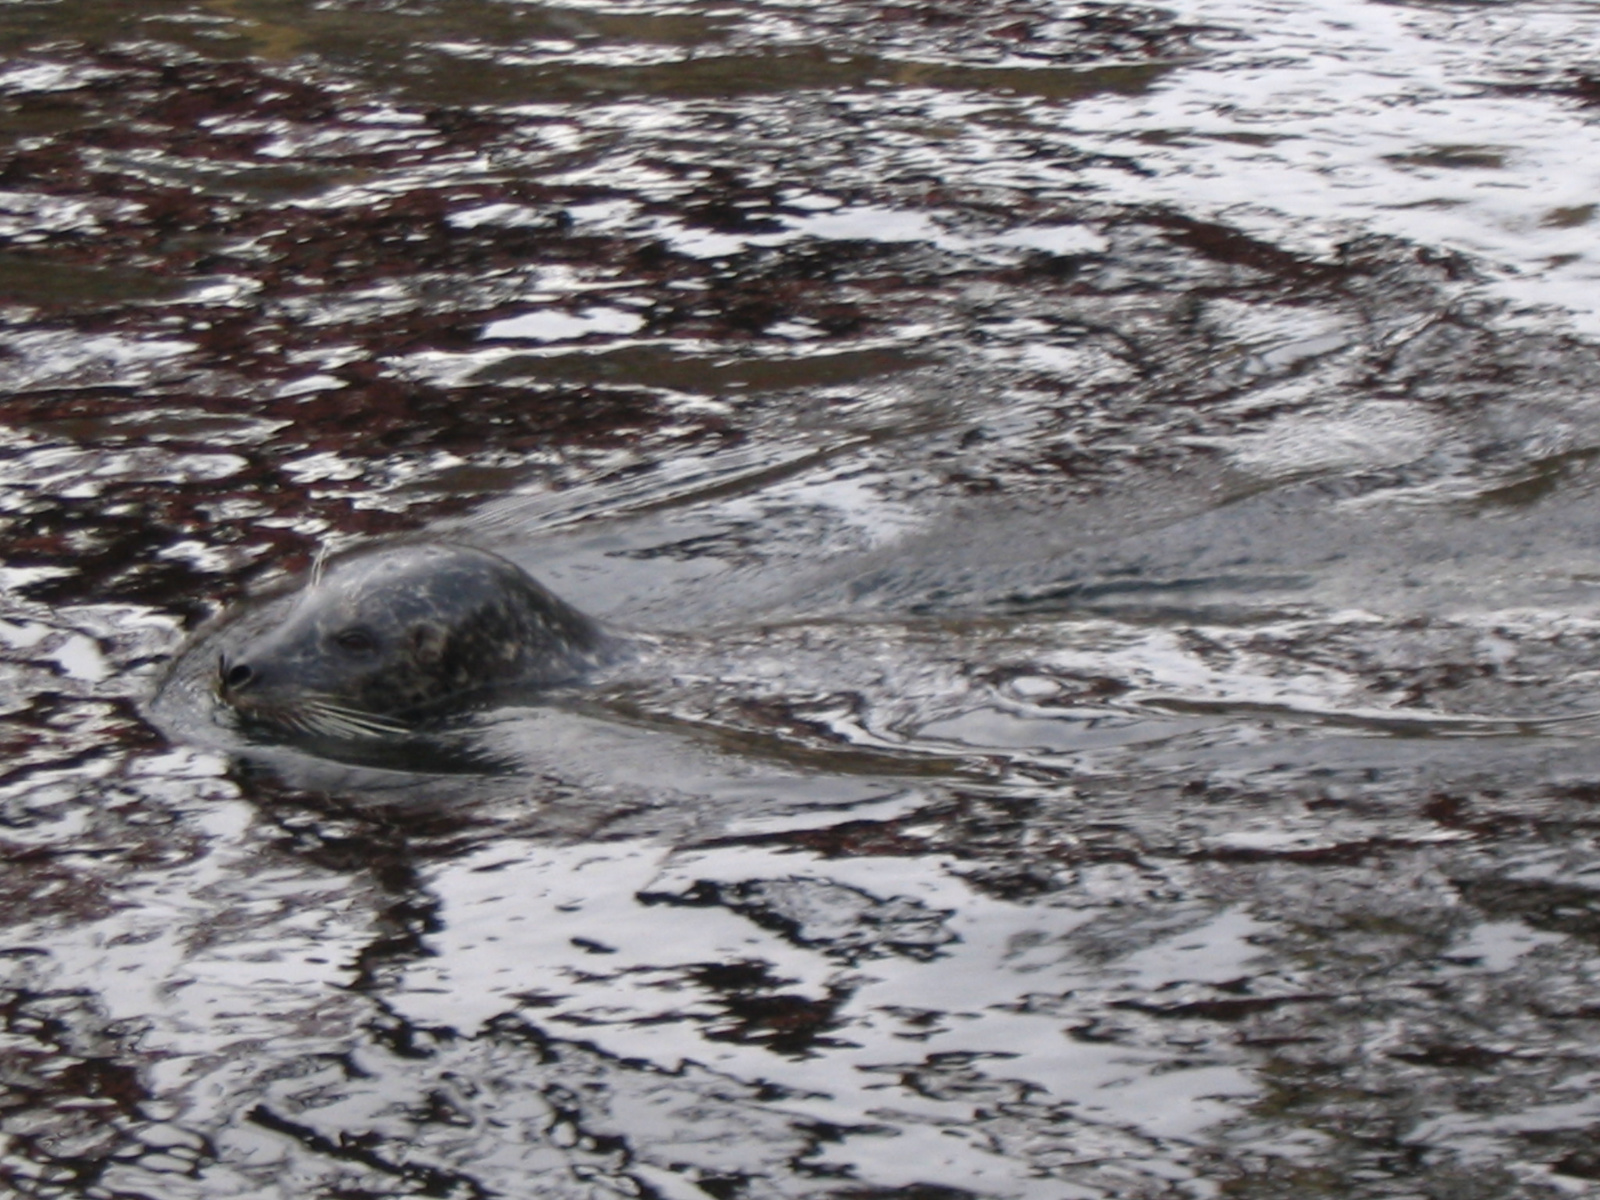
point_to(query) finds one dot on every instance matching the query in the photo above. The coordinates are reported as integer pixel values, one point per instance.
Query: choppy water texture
(1108, 498)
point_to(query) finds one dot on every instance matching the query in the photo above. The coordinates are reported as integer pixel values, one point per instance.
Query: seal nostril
(237, 675)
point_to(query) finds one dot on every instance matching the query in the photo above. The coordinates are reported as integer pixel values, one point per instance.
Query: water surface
(1108, 496)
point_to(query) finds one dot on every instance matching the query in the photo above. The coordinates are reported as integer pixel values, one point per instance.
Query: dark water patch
(426, 1180)
(1235, 1009)
(847, 923)
(1570, 218)
(64, 286)
(1453, 158)
(1232, 247)
(756, 1013)
(1542, 479)
(1564, 907)
(1582, 85)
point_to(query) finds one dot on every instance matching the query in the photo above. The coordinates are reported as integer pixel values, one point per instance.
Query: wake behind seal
(381, 641)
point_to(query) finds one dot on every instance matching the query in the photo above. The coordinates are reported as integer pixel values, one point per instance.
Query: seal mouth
(314, 715)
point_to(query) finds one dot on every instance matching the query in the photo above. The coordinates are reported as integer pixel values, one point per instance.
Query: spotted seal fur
(383, 640)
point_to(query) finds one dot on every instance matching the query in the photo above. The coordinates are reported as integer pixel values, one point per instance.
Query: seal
(383, 641)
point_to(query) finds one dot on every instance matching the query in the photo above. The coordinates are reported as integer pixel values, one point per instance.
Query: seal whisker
(306, 715)
(306, 720)
(313, 722)
(354, 725)
(335, 718)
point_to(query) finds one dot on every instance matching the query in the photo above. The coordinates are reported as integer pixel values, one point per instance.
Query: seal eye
(356, 641)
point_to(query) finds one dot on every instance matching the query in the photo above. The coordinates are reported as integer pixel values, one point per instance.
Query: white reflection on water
(566, 925)
(1330, 119)
(562, 326)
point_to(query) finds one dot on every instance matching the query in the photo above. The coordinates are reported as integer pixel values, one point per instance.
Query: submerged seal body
(383, 640)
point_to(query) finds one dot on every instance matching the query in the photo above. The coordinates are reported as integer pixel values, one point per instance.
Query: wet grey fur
(382, 640)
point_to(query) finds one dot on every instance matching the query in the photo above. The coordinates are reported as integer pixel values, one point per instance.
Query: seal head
(383, 640)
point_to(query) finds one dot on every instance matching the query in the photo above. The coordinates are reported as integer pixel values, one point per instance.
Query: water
(1105, 496)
